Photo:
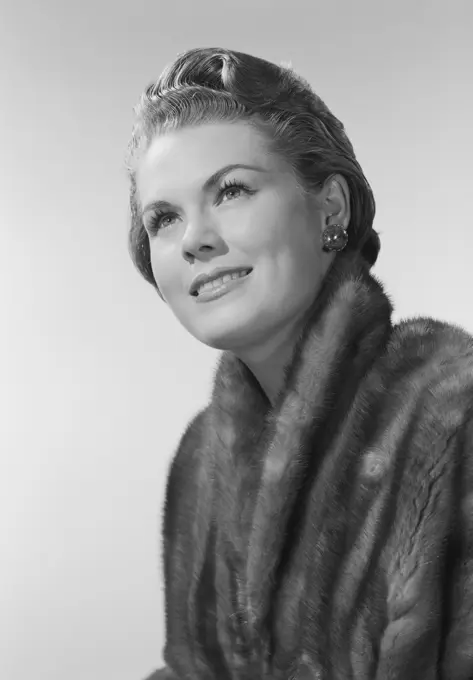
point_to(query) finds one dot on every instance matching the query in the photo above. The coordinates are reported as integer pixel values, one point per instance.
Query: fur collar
(257, 458)
(263, 502)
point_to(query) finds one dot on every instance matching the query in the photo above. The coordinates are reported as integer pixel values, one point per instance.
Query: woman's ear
(336, 201)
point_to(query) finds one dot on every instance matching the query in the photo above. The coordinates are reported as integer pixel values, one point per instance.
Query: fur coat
(329, 537)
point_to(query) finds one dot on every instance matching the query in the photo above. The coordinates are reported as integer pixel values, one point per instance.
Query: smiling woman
(318, 511)
(255, 220)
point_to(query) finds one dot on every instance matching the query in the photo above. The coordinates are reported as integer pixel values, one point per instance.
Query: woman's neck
(267, 362)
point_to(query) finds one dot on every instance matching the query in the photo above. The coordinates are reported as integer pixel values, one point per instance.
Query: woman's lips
(224, 288)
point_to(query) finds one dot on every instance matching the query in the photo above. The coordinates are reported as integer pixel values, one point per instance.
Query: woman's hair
(206, 85)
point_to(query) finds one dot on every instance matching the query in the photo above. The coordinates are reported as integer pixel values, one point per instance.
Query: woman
(319, 511)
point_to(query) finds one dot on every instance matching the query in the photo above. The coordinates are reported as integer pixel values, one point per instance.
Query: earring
(334, 237)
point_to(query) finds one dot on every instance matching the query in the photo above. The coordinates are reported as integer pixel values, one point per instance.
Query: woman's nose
(200, 237)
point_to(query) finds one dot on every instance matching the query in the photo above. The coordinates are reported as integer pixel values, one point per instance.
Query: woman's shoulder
(434, 360)
(437, 342)
(183, 478)
(193, 438)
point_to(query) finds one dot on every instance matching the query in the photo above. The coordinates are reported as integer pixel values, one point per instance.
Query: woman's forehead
(188, 158)
(212, 142)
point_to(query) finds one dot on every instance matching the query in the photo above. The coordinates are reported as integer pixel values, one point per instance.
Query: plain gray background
(97, 380)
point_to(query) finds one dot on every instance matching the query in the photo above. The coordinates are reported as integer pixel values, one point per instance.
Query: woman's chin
(224, 324)
(224, 339)
(225, 333)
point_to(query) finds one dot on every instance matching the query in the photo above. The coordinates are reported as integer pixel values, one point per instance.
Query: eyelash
(154, 224)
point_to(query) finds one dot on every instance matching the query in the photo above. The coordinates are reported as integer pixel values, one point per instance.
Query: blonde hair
(206, 85)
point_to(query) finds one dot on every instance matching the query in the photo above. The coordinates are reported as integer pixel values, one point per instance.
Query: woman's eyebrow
(209, 183)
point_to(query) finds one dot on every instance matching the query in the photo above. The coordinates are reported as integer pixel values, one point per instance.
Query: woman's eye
(158, 221)
(161, 220)
(231, 190)
(234, 186)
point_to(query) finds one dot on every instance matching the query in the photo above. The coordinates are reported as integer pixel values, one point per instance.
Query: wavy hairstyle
(212, 84)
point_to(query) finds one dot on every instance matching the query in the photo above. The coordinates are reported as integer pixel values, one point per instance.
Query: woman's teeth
(217, 283)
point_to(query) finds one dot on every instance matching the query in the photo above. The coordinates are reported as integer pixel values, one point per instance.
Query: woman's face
(249, 219)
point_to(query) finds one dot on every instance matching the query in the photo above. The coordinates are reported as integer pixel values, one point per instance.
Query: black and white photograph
(236, 358)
